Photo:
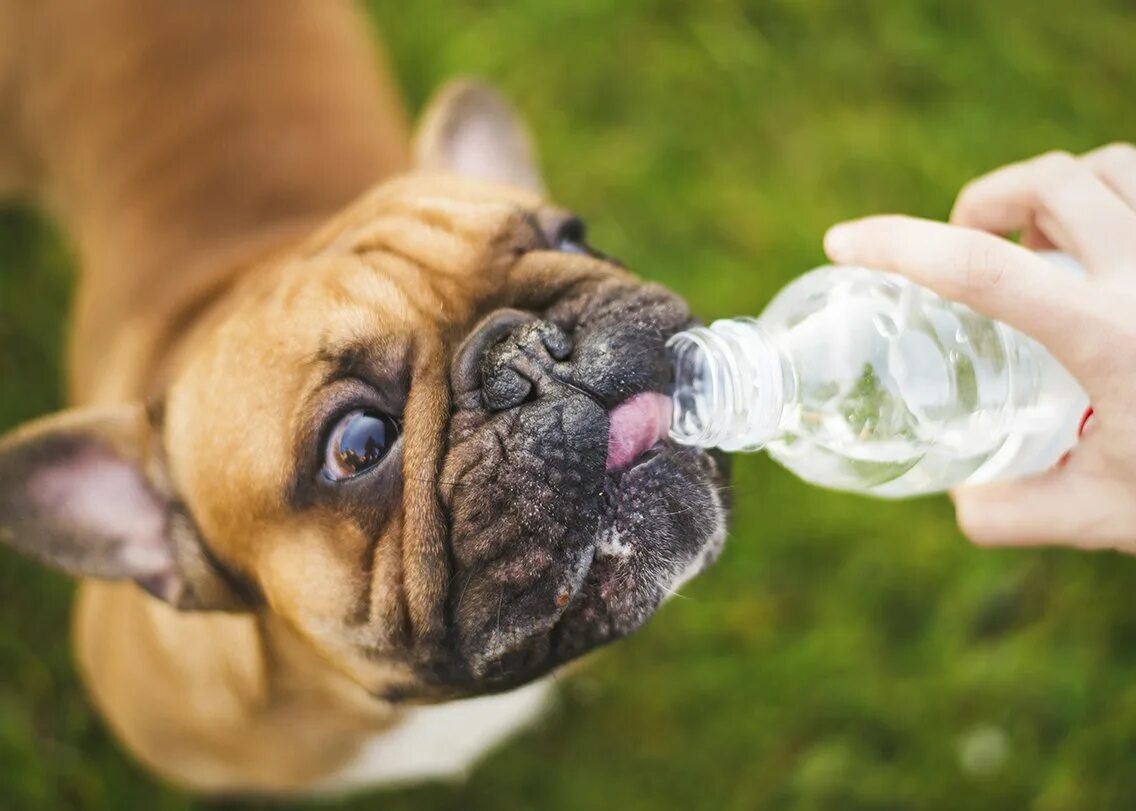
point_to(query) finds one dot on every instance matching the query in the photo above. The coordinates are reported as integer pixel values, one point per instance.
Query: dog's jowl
(358, 450)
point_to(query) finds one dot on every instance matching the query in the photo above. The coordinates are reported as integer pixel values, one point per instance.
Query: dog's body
(293, 617)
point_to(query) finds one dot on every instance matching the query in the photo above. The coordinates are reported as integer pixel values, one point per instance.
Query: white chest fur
(441, 742)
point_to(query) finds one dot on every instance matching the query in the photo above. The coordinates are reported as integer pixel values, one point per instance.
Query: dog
(366, 439)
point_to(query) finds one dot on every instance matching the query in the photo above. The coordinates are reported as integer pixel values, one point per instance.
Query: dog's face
(431, 440)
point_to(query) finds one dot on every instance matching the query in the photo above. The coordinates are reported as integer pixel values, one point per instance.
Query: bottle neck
(731, 386)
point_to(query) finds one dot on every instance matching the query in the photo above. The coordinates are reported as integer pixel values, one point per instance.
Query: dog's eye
(572, 237)
(358, 442)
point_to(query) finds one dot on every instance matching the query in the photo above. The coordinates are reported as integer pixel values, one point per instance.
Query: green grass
(844, 653)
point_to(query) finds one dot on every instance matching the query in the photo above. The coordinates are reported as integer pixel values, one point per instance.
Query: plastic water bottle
(860, 380)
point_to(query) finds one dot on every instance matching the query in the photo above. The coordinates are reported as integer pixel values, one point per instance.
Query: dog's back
(15, 165)
(172, 139)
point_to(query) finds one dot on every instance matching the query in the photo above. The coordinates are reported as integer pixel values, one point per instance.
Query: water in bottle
(860, 380)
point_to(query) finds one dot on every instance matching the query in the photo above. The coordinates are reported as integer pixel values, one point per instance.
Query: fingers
(1055, 508)
(993, 276)
(1080, 211)
(1034, 239)
(1115, 164)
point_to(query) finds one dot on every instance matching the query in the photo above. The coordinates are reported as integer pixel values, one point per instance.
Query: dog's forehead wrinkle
(341, 357)
(405, 270)
(431, 226)
(447, 279)
(431, 297)
(471, 215)
(435, 250)
(355, 283)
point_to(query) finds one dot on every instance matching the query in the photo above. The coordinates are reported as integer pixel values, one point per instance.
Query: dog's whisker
(461, 597)
(675, 593)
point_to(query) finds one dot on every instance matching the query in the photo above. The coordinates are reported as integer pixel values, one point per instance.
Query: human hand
(1086, 207)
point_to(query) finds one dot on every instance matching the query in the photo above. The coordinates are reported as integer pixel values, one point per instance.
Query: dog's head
(430, 437)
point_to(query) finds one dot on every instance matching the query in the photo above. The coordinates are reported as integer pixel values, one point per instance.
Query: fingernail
(1087, 422)
(838, 242)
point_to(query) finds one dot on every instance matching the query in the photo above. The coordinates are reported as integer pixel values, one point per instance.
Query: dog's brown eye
(358, 442)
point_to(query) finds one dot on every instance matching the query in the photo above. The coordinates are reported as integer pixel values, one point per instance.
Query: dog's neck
(280, 117)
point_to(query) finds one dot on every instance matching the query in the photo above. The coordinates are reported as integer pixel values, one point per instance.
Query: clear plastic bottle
(859, 380)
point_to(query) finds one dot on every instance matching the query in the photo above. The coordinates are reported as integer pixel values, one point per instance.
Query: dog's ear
(86, 492)
(469, 129)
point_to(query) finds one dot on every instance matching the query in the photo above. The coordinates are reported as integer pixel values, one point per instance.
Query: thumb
(1053, 508)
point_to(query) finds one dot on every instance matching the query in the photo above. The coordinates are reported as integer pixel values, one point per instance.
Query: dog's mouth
(635, 426)
(660, 522)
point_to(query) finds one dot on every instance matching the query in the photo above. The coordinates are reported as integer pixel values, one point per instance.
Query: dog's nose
(507, 356)
(513, 369)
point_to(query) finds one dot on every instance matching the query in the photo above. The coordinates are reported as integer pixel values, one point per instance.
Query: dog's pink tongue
(634, 426)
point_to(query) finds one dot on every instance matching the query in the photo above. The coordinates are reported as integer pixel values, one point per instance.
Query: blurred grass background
(844, 653)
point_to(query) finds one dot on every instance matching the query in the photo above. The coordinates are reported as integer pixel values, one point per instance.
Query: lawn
(844, 653)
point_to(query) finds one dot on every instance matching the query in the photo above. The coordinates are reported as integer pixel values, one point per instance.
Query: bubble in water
(884, 325)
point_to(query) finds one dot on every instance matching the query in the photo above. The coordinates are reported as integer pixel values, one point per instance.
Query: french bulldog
(366, 439)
